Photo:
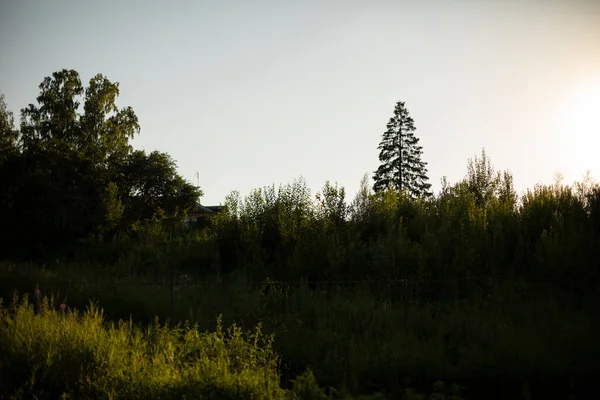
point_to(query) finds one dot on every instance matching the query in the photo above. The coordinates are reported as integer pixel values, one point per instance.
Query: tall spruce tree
(400, 156)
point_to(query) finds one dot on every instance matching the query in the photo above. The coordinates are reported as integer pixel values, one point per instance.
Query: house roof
(206, 209)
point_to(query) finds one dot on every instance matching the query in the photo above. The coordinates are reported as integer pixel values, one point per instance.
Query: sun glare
(582, 128)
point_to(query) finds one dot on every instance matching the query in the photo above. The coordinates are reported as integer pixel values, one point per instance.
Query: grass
(355, 340)
(49, 353)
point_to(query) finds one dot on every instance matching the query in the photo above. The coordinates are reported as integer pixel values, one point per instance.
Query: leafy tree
(488, 185)
(10, 167)
(8, 134)
(106, 130)
(100, 136)
(585, 188)
(331, 203)
(507, 195)
(400, 156)
(113, 209)
(73, 172)
(482, 179)
(359, 206)
(53, 124)
(69, 158)
(152, 188)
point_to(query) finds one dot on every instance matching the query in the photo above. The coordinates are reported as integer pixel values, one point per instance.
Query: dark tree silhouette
(69, 175)
(401, 165)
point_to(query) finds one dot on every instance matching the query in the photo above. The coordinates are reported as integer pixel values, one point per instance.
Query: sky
(251, 93)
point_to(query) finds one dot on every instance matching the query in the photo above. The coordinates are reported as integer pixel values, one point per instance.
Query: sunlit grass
(48, 352)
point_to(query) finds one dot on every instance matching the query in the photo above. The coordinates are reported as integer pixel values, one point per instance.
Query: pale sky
(250, 93)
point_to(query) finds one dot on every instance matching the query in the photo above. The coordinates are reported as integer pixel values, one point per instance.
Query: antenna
(197, 178)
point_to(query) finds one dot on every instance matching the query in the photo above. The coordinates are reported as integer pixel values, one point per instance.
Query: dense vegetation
(81, 356)
(69, 176)
(474, 292)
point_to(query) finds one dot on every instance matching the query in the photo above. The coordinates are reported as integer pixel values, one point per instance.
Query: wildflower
(63, 307)
(37, 293)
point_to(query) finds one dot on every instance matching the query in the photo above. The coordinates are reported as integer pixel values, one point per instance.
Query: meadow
(473, 293)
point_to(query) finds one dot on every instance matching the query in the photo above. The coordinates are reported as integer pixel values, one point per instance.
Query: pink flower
(37, 293)
(63, 307)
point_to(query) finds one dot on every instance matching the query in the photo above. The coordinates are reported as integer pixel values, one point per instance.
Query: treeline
(69, 173)
(477, 227)
(420, 286)
(71, 181)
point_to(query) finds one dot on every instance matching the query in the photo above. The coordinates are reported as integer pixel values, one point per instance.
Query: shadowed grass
(358, 340)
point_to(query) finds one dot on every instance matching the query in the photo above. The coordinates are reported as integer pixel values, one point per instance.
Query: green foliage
(53, 126)
(400, 156)
(359, 206)
(332, 208)
(306, 387)
(387, 295)
(152, 188)
(70, 176)
(475, 228)
(8, 134)
(51, 353)
(106, 130)
(361, 339)
(264, 228)
(113, 209)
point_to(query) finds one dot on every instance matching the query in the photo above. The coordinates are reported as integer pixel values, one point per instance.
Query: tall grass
(359, 340)
(48, 353)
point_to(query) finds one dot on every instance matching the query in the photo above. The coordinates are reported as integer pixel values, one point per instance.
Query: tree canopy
(71, 171)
